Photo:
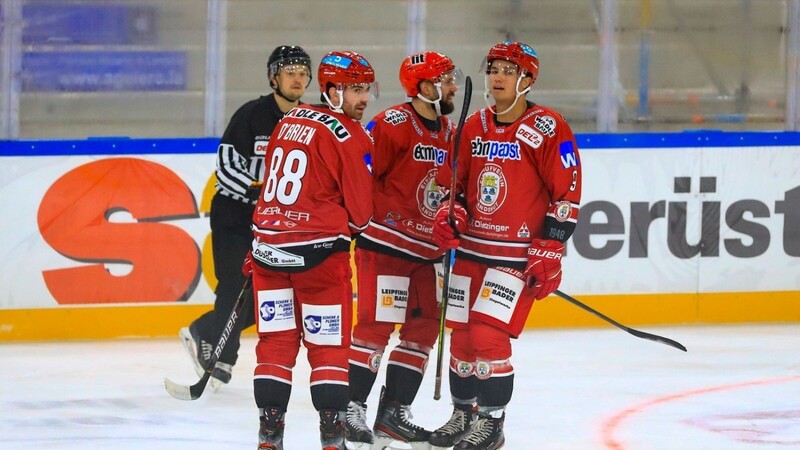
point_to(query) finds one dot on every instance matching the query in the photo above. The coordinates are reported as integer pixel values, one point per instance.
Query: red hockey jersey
(316, 190)
(520, 180)
(406, 158)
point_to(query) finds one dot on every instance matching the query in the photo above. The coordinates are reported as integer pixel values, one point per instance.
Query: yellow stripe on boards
(65, 323)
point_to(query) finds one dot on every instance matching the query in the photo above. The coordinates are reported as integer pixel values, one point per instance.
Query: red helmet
(422, 66)
(342, 68)
(518, 53)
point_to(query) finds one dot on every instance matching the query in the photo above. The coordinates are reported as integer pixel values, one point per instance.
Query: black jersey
(240, 157)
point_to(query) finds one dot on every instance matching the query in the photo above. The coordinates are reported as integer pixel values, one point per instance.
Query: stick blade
(180, 391)
(657, 338)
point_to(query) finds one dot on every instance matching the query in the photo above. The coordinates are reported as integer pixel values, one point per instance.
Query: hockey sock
(402, 384)
(495, 391)
(329, 396)
(271, 393)
(361, 382)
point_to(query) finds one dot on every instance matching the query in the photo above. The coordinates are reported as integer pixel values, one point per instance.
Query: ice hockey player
(395, 255)
(516, 204)
(316, 195)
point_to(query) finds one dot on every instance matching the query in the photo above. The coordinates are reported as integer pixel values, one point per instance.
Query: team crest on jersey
(546, 124)
(394, 117)
(563, 211)
(428, 195)
(492, 189)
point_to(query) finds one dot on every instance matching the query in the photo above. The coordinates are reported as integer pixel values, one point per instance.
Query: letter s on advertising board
(73, 219)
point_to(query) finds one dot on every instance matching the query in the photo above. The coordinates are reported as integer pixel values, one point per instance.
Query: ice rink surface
(738, 388)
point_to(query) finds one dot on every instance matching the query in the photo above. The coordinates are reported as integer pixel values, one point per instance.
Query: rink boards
(105, 238)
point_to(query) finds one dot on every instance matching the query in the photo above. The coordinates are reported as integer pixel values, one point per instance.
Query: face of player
(356, 98)
(502, 82)
(292, 81)
(449, 89)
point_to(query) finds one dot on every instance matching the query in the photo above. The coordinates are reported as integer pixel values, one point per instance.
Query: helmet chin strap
(337, 108)
(436, 103)
(486, 95)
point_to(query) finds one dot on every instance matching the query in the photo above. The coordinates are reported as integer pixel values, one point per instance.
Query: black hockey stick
(194, 391)
(450, 256)
(637, 333)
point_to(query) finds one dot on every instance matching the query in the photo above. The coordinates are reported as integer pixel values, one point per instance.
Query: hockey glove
(247, 265)
(254, 191)
(445, 234)
(543, 274)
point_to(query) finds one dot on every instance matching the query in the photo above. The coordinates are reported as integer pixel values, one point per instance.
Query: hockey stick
(450, 256)
(194, 391)
(637, 333)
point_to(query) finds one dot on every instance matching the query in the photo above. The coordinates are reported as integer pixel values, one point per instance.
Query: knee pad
(489, 343)
(422, 331)
(278, 348)
(328, 365)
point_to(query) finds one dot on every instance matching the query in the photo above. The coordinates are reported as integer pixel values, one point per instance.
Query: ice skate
(359, 435)
(221, 374)
(270, 433)
(199, 350)
(486, 432)
(331, 430)
(394, 429)
(454, 429)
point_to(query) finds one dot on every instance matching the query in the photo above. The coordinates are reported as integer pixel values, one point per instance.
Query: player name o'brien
(296, 132)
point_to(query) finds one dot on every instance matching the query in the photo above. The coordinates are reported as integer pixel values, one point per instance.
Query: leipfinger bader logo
(747, 234)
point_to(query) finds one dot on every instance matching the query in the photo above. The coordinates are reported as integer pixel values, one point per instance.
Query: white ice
(738, 387)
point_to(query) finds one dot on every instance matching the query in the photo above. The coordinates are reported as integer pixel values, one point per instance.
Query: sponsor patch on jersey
(394, 117)
(260, 147)
(529, 136)
(545, 124)
(568, 156)
(330, 122)
(495, 149)
(491, 189)
(429, 153)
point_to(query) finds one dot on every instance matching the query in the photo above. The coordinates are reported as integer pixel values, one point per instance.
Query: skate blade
(215, 384)
(358, 445)
(387, 443)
